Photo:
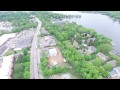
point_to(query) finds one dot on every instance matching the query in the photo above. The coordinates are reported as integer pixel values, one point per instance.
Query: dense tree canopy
(105, 48)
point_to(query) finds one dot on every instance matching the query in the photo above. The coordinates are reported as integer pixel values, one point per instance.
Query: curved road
(34, 57)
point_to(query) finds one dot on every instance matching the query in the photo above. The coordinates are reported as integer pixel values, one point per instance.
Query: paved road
(34, 66)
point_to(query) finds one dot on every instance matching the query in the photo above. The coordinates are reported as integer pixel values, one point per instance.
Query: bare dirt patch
(58, 58)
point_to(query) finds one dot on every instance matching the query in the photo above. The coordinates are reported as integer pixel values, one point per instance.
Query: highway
(34, 57)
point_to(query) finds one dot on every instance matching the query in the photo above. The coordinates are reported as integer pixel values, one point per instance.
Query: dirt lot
(58, 58)
(62, 76)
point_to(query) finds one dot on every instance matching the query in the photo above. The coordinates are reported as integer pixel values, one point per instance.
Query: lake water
(100, 23)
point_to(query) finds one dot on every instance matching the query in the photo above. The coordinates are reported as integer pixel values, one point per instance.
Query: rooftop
(101, 55)
(5, 37)
(113, 63)
(6, 67)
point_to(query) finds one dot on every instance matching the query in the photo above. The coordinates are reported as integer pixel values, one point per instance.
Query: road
(34, 57)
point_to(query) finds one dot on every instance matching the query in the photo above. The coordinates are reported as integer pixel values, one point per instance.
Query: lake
(102, 24)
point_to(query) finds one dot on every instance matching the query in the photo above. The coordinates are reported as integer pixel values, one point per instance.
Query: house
(115, 72)
(52, 52)
(91, 49)
(84, 34)
(91, 40)
(113, 63)
(102, 56)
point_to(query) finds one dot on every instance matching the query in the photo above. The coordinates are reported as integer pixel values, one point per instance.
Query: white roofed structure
(52, 52)
(5, 37)
(6, 67)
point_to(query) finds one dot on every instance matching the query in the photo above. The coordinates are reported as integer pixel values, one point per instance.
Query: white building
(52, 52)
(5, 37)
(6, 66)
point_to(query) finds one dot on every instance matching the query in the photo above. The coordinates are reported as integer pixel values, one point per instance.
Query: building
(47, 41)
(44, 32)
(102, 56)
(115, 73)
(91, 40)
(52, 52)
(5, 37)
(91, 49)
(6, 67)
(113, 63)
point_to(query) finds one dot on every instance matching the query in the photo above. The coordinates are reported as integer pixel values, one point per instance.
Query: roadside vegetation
(22, 66)
(9, 52)
(4, 32)
(46, 71)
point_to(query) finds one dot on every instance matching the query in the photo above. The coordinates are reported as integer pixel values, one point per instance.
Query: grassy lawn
(19, 51)
(9, 52)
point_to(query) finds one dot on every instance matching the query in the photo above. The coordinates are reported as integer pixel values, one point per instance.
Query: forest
(20, 20)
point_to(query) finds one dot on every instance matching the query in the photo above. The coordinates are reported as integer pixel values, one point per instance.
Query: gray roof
(113, 63)
(118, 68)
(102, 55)
(113, 72)
(92, 48)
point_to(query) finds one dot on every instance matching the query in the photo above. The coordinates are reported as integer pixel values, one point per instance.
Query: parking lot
(24, 39)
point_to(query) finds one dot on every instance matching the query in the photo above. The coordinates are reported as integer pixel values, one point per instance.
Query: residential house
(115, 72)
(113, 63)
(91, 40)
(91, 49)
(102, 56)
(85, 34)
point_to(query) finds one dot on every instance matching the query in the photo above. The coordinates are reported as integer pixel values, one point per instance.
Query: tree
(18, 68)
(118, 63)
(18, 75)
(97, 62)
(27, 68)
(88, 57)
(105, 48)
(107, 67)
(25, 52)
(103, 72)
(27, 64)
(26, 75)
(26, 58)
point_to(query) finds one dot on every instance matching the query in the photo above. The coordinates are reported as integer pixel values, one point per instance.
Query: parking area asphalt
(24, 39)
(2, 49)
